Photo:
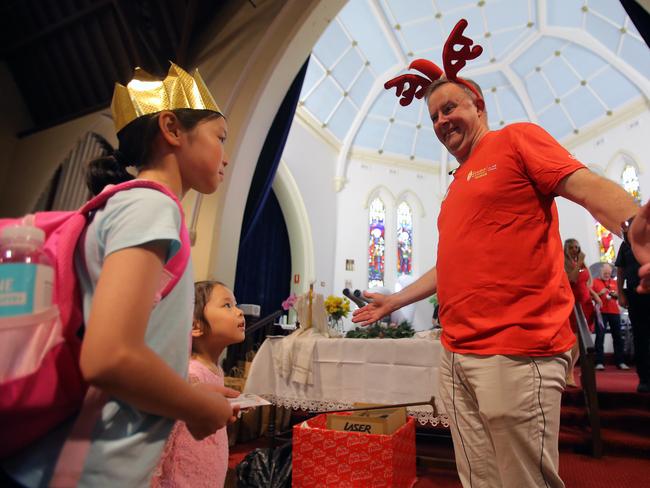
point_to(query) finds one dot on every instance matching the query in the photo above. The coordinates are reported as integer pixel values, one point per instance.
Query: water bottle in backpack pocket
(28, 320)
(26, 273)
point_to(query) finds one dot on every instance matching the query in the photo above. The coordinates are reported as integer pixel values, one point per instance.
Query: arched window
(605, 244)
(376, 243)
(630, 181)
(404, 239)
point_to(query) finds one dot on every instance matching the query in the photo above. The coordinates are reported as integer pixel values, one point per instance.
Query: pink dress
(186, 462)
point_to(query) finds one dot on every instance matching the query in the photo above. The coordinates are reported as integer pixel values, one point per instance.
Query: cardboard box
(341, 459)
(369, 422)
(235, 383)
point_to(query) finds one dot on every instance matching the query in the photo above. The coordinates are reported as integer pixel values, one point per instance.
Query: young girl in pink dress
(218, 322)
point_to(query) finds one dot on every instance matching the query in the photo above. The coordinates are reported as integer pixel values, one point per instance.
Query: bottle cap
(22, 235)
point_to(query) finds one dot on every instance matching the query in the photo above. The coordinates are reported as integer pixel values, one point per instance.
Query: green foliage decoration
(377, 331)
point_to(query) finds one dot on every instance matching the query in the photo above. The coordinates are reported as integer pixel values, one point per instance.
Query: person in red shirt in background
(580, 279)
(606, 289)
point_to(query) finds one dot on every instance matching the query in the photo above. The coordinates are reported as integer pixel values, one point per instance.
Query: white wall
(393, 185)
(339, 221)
(311, 162)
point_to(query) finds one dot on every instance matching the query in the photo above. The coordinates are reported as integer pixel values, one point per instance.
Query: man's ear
(480, 104)
(170, 128)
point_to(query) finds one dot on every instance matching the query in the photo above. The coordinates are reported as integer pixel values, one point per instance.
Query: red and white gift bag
(331, 458)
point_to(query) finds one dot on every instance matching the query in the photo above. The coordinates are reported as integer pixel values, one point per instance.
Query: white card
(248, 400)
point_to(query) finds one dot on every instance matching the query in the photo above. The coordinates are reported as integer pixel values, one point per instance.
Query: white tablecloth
(345, 371)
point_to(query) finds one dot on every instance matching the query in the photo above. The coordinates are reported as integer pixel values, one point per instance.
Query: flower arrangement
(289, 302)
(337, 307)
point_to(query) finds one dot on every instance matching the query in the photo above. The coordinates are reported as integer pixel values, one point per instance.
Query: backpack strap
(75, 450)
(175, 267)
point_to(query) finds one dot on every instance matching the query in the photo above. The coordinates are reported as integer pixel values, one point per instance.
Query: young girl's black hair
(135, 143)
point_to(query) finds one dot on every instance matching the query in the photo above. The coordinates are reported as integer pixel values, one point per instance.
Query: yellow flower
(337, 307)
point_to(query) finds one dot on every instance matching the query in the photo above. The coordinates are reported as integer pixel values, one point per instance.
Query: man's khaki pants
(504, 414)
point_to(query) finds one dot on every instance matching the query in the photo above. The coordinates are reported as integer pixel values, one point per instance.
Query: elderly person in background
(580, 280)
(607, 290)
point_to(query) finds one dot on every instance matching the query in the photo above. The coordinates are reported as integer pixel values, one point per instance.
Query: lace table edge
(423, 414)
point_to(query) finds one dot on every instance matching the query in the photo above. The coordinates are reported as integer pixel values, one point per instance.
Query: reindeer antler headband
(453, 61)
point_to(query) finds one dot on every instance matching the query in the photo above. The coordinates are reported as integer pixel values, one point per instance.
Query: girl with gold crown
(136, 346)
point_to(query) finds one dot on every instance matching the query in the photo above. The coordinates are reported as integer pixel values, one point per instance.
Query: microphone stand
(357, 301)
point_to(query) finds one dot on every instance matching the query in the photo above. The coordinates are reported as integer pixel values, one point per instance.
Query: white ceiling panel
(555, 69)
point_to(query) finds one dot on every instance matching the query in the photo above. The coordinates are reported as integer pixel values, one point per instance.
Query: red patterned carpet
(577, 471)
(624, 414)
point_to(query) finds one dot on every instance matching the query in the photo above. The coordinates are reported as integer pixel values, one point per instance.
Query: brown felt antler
(453, 61)
(417, 84)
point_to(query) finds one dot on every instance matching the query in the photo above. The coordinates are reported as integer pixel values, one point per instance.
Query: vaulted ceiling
(565, 64)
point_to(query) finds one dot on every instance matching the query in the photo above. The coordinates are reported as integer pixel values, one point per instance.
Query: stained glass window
(630, 181)
(376, 243)
(605, 244)
(404, 239)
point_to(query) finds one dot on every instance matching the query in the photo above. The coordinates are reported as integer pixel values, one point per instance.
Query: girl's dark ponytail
(106, 170)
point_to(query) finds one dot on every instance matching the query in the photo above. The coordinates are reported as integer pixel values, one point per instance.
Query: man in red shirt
(606, 288)
(504, 298)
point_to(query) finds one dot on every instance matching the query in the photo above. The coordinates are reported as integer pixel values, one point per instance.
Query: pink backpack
(40, 380)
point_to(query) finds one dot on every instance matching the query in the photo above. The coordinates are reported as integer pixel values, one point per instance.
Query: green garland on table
(376, 331)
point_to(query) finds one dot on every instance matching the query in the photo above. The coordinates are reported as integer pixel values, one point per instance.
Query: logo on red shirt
(480, 173)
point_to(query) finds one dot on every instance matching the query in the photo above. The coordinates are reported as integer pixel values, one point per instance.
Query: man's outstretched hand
(380, 306)
(639, 238)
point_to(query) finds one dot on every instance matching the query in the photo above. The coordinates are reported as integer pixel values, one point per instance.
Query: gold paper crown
(145, 94)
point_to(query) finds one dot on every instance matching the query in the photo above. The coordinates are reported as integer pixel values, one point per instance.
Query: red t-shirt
(580, 288)
(502, 288)
(610, 305)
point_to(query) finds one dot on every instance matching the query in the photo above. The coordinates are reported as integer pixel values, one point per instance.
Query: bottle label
(25, 288)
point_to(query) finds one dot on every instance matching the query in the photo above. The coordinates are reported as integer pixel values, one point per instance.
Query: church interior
(332, 184)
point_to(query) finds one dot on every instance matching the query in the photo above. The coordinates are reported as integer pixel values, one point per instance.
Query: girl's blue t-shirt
(126, 442)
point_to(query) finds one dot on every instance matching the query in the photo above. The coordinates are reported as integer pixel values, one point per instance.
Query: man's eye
(228, 305)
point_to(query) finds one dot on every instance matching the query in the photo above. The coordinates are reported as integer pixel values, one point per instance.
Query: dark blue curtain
(264, 260)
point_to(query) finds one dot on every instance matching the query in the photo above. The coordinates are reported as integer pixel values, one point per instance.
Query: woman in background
(580, 279)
